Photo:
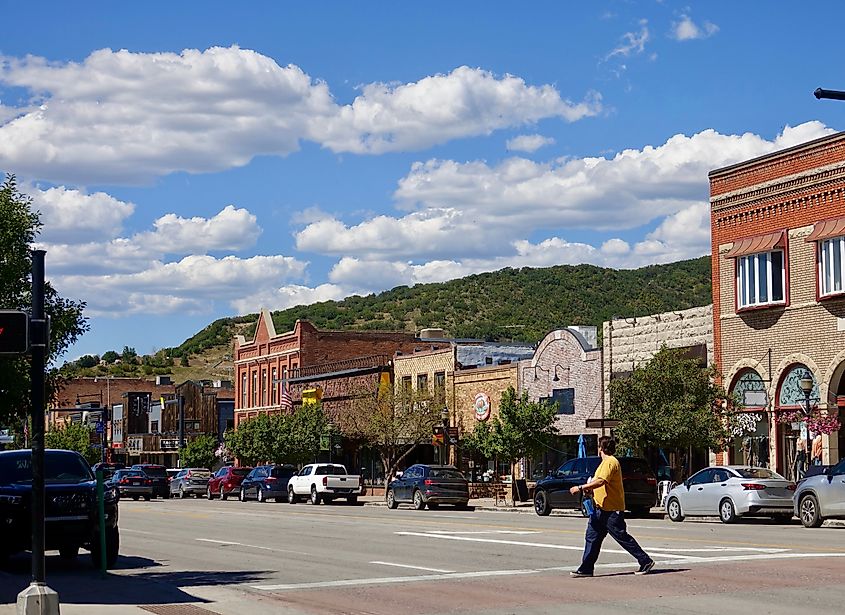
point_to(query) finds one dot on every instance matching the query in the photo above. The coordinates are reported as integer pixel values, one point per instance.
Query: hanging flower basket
(817, 422)
(743, 423)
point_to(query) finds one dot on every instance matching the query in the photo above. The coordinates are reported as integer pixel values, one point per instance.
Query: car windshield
(759, 473)
(322, 470)
(59, 467)
(241, 471)
(132, 473)
(154, 471)
(445, 473)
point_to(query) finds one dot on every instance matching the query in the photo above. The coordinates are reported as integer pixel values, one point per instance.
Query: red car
(226, 481)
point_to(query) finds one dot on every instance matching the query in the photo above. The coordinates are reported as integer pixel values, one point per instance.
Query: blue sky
(199, 160)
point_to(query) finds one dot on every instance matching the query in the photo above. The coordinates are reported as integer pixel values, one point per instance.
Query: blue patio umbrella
(582, 446)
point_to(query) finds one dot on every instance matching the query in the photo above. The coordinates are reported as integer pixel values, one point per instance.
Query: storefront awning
(835, 227)
(758, 243)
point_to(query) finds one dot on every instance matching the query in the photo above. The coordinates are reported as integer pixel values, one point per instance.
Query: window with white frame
(832, 266)
(760, 279)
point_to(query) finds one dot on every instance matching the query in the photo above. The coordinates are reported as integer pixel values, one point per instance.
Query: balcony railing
(345, 365)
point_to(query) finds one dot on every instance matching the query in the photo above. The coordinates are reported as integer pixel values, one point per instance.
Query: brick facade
(788, 191)
(564, 360)
(270, 355)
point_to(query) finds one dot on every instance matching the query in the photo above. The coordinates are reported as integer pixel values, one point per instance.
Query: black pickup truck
(71, 517)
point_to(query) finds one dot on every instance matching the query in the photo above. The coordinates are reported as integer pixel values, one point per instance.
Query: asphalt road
(238, 558)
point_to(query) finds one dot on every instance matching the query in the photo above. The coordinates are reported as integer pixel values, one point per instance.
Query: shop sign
(135, 445)
(482, 407)
(171, 444)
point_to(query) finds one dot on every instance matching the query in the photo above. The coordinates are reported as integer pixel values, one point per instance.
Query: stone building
(778, 254)
(269, 359)
(566, 370)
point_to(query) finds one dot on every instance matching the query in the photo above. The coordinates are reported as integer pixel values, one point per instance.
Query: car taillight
(753, 486)
(791, 487)
(148, 482)
(651, 481)
(124, 481)
(428, 482)
(270, 479)
(325, 481)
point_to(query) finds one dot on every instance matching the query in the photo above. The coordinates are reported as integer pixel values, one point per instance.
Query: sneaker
(578, 574)
(645, 568)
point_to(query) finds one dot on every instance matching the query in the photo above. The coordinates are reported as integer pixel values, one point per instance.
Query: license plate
(135, 482)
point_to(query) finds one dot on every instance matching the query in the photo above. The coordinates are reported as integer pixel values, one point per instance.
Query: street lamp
(806, 383)
(831, 94)
(557, 378)
(444, 418)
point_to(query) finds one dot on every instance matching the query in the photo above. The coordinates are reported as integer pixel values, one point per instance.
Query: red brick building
(778, 254)
(262, 364)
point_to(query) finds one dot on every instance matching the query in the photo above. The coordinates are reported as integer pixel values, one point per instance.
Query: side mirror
(687, 484)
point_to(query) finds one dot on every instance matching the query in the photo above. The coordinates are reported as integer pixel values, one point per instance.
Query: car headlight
(10, 499)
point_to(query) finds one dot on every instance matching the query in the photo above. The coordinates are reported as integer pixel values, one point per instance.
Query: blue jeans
(602, 523)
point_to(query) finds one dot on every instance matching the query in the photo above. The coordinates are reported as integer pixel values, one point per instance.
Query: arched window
(790, 393)
(750, 390)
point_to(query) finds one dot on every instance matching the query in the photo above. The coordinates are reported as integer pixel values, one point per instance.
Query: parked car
(132, 483)
(226, 481)
(732, 492)
(71, 518)
(265, 482)
(190, 481)
(324, 482)
(428, 485)
(638, 481)
(821, 496)
(157, 474)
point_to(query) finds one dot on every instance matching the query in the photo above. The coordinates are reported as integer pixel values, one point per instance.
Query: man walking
(609, 516)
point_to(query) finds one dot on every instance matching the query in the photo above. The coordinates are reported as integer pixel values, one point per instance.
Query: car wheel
(541, 503)
(242, 495)
(352, 499)
(727, 512)
(808, 508)
(69, 551)
(112, 548)
(419, 502)
(181, 492)
(260, 495)
(315, 497)
(208, 494)
(223, 495)
(292, 499)
(673, 509)
(392, 504)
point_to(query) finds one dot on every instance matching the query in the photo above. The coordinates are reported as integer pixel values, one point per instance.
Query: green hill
(511, 304)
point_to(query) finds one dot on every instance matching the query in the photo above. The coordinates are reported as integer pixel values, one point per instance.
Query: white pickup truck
(323, 482)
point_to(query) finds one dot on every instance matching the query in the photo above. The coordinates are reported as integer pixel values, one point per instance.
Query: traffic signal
(14, 332)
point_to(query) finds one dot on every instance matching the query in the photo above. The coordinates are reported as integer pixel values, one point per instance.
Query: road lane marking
(448, 532)
(519, 543)
(240, 544)
(528, 571)
(414, 567)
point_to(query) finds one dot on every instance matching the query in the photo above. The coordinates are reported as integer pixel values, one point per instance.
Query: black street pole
(830, 94)
(809, 439)
(181, 402)
(39, 356)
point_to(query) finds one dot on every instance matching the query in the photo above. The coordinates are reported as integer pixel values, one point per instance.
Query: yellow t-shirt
(611, 495)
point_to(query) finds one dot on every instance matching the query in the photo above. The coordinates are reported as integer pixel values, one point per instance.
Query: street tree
(72, 437)
(19, 228)
(199, 452)
(394, 423)
(522, 428)
(292, 437)
(671, 402)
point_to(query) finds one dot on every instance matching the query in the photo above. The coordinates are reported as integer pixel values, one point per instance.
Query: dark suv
(427, 485)
(71, 518)
(638, 480)
(157, 474)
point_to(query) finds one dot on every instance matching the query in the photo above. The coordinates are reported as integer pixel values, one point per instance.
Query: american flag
(285, 400)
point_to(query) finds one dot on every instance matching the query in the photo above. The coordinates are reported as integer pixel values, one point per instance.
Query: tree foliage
(199, 452)
(521, 429)
(279, 438)
(73, 437)
(19, 228)
(394, 423)
(671, 402)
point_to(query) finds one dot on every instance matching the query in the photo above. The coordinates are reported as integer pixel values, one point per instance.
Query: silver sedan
(731, 492)
(821, 497)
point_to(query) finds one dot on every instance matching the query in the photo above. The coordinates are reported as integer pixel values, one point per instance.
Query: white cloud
(71, 216)
(632, 43)
(475, 210)
(528, 143)
(230, 229)
(192, 284)
(124, 117)
(288, 296)
(685, 29)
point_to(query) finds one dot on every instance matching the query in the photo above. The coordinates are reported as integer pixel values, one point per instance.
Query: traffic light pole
(38, 598)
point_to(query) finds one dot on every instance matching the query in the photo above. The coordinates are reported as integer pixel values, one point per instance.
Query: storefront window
(790, 394)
